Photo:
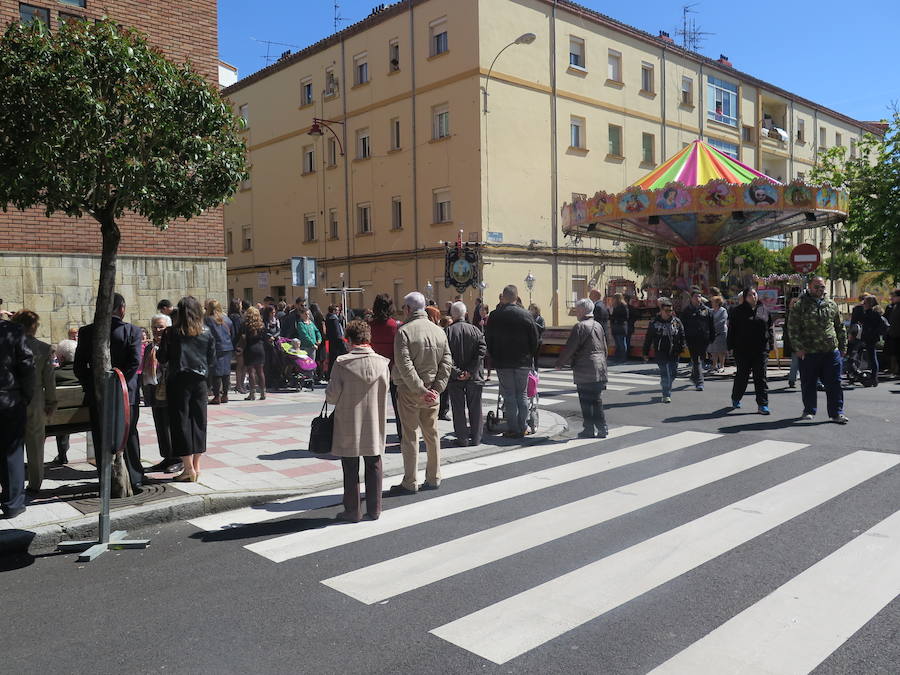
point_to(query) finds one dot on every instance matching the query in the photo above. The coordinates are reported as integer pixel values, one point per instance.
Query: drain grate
(88, 500)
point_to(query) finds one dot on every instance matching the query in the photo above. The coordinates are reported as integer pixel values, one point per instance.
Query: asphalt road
(687, 567)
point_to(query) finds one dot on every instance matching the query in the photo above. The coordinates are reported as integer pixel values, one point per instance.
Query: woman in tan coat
(357, 388)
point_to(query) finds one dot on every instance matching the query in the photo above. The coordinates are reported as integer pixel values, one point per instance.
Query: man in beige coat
(42, 404)
(422, 365)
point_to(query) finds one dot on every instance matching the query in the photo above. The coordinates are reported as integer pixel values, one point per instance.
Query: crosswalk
(556, 386)
(706, 498)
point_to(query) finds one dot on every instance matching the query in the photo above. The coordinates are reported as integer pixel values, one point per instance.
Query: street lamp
(524, 39)
(529, 284)
(429, 288)
(316, 130)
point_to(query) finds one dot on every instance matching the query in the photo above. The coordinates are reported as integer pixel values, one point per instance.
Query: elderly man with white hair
(467, 347)
(65, 377)
(421, 369)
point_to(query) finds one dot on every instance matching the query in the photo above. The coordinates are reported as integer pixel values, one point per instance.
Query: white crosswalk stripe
(299, 544)
(518, 624)
(791, 629)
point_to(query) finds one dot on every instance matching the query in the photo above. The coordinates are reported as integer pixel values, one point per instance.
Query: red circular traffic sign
(805, 258)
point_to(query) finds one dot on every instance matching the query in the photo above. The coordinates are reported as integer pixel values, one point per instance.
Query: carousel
(696, 203)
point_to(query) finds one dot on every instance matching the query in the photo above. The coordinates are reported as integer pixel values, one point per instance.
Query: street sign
(303, 272)
(805, 258)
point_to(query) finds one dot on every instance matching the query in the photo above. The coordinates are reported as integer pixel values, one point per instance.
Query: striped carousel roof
(697, 164)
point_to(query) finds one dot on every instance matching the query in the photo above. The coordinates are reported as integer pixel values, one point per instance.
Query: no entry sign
(805, 258)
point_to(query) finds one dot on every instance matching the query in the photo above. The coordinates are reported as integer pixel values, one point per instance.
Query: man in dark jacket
(750, 338)
(699, 332)
(16, 390)
(125, 354)
(512, 341)
(334, 334)
(290, 319)
(467, 347)
(601, 313)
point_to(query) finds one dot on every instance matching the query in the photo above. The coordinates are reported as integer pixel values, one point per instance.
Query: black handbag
(321, 432)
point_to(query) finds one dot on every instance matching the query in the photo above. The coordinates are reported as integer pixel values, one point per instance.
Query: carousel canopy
(702, 197)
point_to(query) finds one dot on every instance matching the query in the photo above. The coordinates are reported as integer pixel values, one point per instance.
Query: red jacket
(383, 333)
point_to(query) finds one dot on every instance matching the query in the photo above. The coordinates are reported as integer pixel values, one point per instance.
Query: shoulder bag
(321, 432)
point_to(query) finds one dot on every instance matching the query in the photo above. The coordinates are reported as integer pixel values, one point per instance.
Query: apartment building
(479, 118)
(52, 265)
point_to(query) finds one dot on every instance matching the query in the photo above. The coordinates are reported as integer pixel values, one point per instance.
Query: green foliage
(846, 265)
(93, 120)
(873, 180)
(757, 257)
(640, 259)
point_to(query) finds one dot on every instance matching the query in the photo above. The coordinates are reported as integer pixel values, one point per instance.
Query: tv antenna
(690, 33)
(337, 17)
(269, 57)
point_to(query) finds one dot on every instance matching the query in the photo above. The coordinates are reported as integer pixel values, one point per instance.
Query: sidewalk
(256, 453)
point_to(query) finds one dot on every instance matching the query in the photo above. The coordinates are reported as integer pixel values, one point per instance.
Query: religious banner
(461, 264)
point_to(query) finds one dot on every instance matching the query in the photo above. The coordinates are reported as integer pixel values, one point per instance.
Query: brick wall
(184, 30)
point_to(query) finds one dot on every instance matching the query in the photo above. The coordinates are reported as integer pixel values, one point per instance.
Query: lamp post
(524, 39)
(429, 289)
(529, 284)
(316, 130)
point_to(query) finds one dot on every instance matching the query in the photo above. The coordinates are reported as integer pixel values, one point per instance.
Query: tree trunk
(103, 313)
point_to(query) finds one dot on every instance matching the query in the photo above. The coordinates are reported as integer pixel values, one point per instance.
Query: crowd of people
(430, 363)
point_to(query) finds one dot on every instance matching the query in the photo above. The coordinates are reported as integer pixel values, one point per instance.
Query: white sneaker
(667, 399)
(807, 416)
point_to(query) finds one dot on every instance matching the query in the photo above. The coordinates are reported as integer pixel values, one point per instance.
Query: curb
(44, 538)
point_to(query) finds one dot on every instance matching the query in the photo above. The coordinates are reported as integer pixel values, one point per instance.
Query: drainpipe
(701, 87)
(346, 154)
(554, 174)
(415, 178)
(662, 105)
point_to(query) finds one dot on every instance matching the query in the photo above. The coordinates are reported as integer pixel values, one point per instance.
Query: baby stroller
(495, 417)
(854, 369)
(297, 368)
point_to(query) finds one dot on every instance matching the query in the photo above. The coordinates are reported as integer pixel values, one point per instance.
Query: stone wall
(62, 289)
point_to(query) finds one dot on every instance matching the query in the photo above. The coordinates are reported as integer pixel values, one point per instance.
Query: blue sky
(841, 55)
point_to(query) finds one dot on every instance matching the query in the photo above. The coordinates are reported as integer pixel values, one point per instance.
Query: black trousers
(373, 478)
(590, 398)
(392, 388)
(747, 364)
(465, 396)
(697, 349)
(160, 422)
(12, 457)
(186, 394)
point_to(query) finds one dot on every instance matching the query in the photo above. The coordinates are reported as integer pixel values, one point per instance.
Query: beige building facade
(415, 152)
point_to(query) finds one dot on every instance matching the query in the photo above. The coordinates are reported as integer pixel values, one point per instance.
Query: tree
(640, 259)
(846, 265)
(873, 181)
(94, 121)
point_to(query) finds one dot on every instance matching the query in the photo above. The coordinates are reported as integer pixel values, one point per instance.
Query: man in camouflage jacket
(819, 338)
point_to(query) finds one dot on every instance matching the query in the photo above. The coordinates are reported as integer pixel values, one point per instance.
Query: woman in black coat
(188, 349)
(750, 338)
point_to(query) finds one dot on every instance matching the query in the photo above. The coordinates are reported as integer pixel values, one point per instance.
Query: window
(648, 142)
(838, 139)
(801, 131)
(775, 242)
(244, 112)
(65, 17)
(442, 206)
(306, 91)
(441, 116)
(396, 214)
(363, 150)
(309, 227)
(248, 295)
(853, 148)
(360, 69)
(364, 218)
(393, 56)
(247, 238)
(615, 140)
(615, 66)
(576, 52)
(332, 224)
(823, 137)
(332, 152)
(439, 43)
(722, 101)
(801, 175)
(74, 3)
(229, 242)
(331, 85)
(724, 147)
(395, 133)
(309, 159)
(576, 133)
(579, 288)
(747, 135)
(647, 79)
(687, 91)
(29, 13)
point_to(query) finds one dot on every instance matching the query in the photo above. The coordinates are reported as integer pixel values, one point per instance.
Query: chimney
(665, 37)
(724, 61)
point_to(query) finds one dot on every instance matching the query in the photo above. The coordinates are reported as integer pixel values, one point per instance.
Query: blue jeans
(668, 368)
(872, 354)
(513, 382)
(621, 347)
(824, 366)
